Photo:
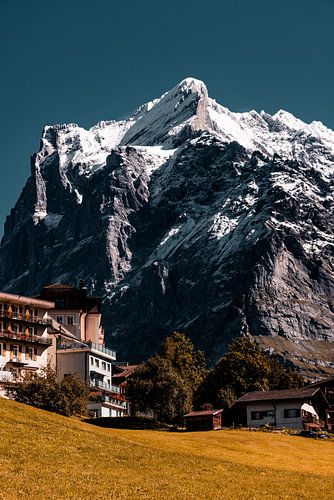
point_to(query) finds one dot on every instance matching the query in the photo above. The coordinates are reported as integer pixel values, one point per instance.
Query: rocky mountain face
(186, 216)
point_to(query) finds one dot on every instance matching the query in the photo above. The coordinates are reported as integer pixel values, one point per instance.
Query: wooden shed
(205, 420)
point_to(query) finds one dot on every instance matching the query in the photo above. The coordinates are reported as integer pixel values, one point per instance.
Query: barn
(204, 420)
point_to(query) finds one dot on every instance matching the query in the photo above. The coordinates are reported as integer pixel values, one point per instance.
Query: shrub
(42, 390)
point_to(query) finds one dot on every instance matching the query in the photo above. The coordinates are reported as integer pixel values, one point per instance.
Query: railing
(33, 339)
(103, 385)
(108, 399)
(313, 420)
(23, 317)
(72, 345)
(100, 348)
(88, 345)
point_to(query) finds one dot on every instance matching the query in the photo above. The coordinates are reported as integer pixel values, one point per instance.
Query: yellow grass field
(45, 456)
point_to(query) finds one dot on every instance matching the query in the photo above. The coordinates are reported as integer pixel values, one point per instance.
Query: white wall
(278, 408)
(71, 362)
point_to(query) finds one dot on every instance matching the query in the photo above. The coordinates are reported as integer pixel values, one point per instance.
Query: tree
(243, 368)
(157, 388)
(185, 359)
(164, 385)
(42, 390)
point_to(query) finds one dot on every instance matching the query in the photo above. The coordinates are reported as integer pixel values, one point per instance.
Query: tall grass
(45, 456)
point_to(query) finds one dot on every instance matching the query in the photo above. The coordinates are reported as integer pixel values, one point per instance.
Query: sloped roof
(204, 413)
(126, 371)
(305, 392)
(320, 383)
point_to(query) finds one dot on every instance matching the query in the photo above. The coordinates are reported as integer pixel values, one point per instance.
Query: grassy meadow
(46, 456)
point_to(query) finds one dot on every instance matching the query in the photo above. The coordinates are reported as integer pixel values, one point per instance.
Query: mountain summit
(186, 216)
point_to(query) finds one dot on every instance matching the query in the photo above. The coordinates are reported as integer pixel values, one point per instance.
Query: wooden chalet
(327, 387)
(204, 420)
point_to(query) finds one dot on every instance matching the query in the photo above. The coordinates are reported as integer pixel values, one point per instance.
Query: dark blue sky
(86, 60)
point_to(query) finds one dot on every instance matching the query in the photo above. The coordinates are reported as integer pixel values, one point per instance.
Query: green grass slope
(43, 455)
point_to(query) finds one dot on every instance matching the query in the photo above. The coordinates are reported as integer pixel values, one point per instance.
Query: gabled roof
(303, 393)
(204, 413)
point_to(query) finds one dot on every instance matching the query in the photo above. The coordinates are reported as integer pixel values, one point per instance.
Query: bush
(42, 390)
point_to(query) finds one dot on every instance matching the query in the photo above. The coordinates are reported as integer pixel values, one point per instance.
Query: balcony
(86, 346)
(312, 421)
(108, 399)
(16, 360)
(103, 385)
(99, 348)
(22, 337)
(31, 319)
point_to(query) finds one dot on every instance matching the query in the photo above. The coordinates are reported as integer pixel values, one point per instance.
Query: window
(70, 320)
(91, 361)
(1, 350)
(15, 351)
(1, 327)
(97, 363)
(59, 320)
(104, 366)
(108, 366)
(15, 328)
(292, 413)
(31, 330)
(30, 353)
(259, 415)
(15, 311)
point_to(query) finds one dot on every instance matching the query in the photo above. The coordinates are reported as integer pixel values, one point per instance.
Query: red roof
(126, 371)
(203, 413)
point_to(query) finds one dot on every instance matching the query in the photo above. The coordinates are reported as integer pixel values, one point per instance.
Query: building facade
(24, 341)
(76, 311)
(80, 314)
(303, 408)
(94, 365)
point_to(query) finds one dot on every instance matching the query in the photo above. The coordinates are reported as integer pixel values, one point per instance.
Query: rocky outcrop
(186, 216)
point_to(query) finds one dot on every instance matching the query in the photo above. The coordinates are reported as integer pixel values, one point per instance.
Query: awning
(309, 409)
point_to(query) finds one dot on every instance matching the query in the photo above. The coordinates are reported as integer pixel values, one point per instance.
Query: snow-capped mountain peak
(185, 216)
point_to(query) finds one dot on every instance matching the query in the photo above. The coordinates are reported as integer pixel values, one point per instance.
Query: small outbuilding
(204, 420)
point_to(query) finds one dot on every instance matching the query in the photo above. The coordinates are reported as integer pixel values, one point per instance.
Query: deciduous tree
(42, 390)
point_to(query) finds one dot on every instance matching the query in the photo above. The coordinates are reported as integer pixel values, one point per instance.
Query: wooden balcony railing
(26, 318)
(22, 337)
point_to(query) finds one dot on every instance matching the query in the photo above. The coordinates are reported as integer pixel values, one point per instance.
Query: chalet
(303, 408)
(204, 420)
(327, 387)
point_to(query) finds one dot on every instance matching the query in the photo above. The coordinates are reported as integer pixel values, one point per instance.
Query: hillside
(186, 216)
(43, 455)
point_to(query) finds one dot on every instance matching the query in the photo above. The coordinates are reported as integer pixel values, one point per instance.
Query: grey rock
(186, 217)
